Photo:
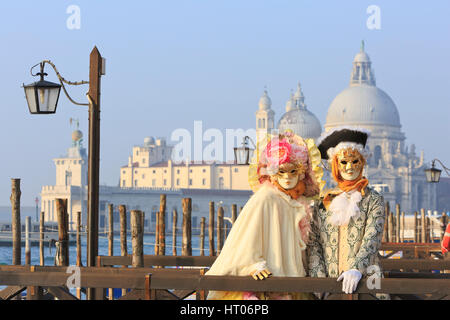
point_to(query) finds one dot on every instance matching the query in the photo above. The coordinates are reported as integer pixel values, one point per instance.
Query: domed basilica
(393, 168)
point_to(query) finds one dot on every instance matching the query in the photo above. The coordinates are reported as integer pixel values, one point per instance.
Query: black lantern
(433, 174)
(242, 155)
(42, 96)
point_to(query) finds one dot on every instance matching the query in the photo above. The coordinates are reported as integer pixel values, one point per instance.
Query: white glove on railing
(351, 279)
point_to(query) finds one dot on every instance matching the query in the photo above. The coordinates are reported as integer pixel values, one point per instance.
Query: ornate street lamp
(242, 155)
(42, 98)
(433, 174)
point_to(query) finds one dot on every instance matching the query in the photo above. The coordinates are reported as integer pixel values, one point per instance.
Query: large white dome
(362, 105)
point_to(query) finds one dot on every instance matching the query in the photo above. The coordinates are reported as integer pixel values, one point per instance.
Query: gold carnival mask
(288, 175)
(350, 163)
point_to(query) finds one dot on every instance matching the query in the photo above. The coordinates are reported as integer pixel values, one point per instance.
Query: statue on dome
(348, 221)
(269, 236)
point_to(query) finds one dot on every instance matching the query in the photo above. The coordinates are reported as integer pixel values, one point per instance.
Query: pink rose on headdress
(277, 153)
(300, 153)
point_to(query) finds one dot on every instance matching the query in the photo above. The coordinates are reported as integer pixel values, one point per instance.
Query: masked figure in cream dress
(348, 220)
(269, 236)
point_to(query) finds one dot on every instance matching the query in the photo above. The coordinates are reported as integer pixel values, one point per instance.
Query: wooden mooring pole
(219, 229)
(79, 262)
(16, 225)
(443, 224)
(123, 235)
(385, 237)
(63, 235)
(212, 251)
(27, 241)
(162, 225)
(187, 227)
(110, 241)
(41, 238)
(157, 234)
(397, 222)
(202, 236)
(233, 214)
(137, 239)
(174, 231)
(402, 234)
(423, 226)
(416, 228)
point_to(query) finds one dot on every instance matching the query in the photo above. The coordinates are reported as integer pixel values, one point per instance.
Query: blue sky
(170, 63)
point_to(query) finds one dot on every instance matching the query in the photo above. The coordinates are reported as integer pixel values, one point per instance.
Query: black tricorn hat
(345, 134)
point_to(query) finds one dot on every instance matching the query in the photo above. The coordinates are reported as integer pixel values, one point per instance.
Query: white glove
(351, 279)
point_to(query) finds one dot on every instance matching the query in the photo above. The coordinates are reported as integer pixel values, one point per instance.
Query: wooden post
(423, 225)
(27, 241)
(110, 241)
(397, 222)
(233, 214)
(416, 228)
(174, 231)
(390, 227)
(63, 236)
(443, 224)
(41, 239)
(402, 232)
(162, 225)
(219, 229)
(157, 234)
(16, 225)
(428, 237)
(187, 227)
(95, 71)
(225, 230)
(385, 237)
(79, 263)
(110, 229)
(137, 239)
(123, 235)
(202, 236)
(211, 229)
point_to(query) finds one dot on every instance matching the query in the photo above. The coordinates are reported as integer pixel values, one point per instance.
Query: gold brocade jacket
(363, 238)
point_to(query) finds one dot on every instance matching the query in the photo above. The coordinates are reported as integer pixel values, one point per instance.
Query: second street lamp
(242, 155)
(42, 98)
(433, 174)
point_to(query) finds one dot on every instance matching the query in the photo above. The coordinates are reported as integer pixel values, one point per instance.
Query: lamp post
(242, 155)
(433, 174)
(42, 98)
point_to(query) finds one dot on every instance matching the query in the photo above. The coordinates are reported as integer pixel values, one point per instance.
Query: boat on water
(50, 234)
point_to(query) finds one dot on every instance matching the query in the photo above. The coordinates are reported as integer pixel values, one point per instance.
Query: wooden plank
(409, 246)
(294, 284)
(152, 260)
(416, 275)
(11, 292)
(419, 264)
(61, 293)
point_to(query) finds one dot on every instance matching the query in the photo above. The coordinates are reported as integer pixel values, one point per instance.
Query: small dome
(362, 105)
(149, 141)
(302, 122)
(290, 104)
(361, 57)
(77, 135)
(265, 102)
